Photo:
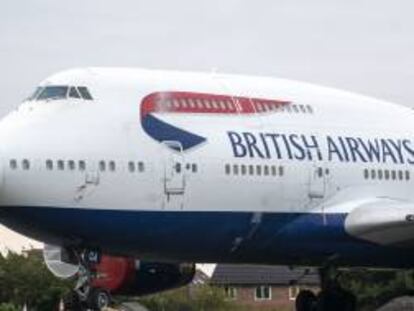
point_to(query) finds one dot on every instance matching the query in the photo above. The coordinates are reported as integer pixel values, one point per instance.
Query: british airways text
(309, 147)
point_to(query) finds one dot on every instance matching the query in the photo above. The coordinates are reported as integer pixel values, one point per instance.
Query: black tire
(99, 299)
(305, 301)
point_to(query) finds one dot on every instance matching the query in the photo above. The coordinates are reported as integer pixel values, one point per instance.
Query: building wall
(280, 298)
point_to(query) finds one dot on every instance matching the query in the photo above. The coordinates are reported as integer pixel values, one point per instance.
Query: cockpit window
(35, 93)
(85, 93)
(74, 93)
(61, 92)
(53, 92)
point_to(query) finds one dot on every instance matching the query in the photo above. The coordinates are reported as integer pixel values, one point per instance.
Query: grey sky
(363, 46)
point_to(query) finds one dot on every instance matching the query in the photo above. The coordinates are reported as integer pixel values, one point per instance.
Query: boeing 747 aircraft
(186, 167)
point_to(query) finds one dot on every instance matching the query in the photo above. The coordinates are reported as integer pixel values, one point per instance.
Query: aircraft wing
(383, 221)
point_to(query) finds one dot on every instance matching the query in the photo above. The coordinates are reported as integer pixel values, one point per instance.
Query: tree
(375, 288)
(8, 307)
(26, 280)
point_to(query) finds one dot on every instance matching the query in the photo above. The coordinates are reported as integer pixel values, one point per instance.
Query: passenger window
(379, 174)
(85, 93)
(251, 170)
(366, 174)
(178, 167)
(393, 175)
(61, 165)
(373, 174)
(131, 166)
(71, 165)
(407, 175)
(243, 169)
(102, 166)
(227, 169)
(140, 167)
(49, 165)
(309, 108)
(387, 174)
(281, 170)
(13, 164)
(274, 171)
(400, 175)
(258, 170)
(295, 108)
(25, 164)
(82, 165)
(320, 172)
(266, 170)
(235, 169)
(74, 93)
(112, 166)
(194, 168)
(302, 108)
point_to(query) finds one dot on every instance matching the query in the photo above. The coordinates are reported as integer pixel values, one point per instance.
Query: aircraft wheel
(336, 299)
(305, 301)
(99, 299)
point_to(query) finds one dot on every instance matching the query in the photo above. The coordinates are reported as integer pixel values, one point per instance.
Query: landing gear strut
(85, 296)
(331, 297)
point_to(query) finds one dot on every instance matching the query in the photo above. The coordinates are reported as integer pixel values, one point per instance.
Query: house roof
(226, 274)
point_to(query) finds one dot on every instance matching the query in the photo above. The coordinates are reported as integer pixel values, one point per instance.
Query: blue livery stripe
(162, 131)
(279, 238)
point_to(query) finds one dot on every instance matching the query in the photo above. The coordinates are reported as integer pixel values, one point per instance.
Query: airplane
(183, 167)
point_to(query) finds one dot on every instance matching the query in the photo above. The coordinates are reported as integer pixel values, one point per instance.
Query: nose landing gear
(85, 296)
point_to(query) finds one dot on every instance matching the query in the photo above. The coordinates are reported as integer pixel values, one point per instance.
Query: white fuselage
(303, 164)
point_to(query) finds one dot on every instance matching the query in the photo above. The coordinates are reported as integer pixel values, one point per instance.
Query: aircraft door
(91, 180)
(174, 174)
(317, 182)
